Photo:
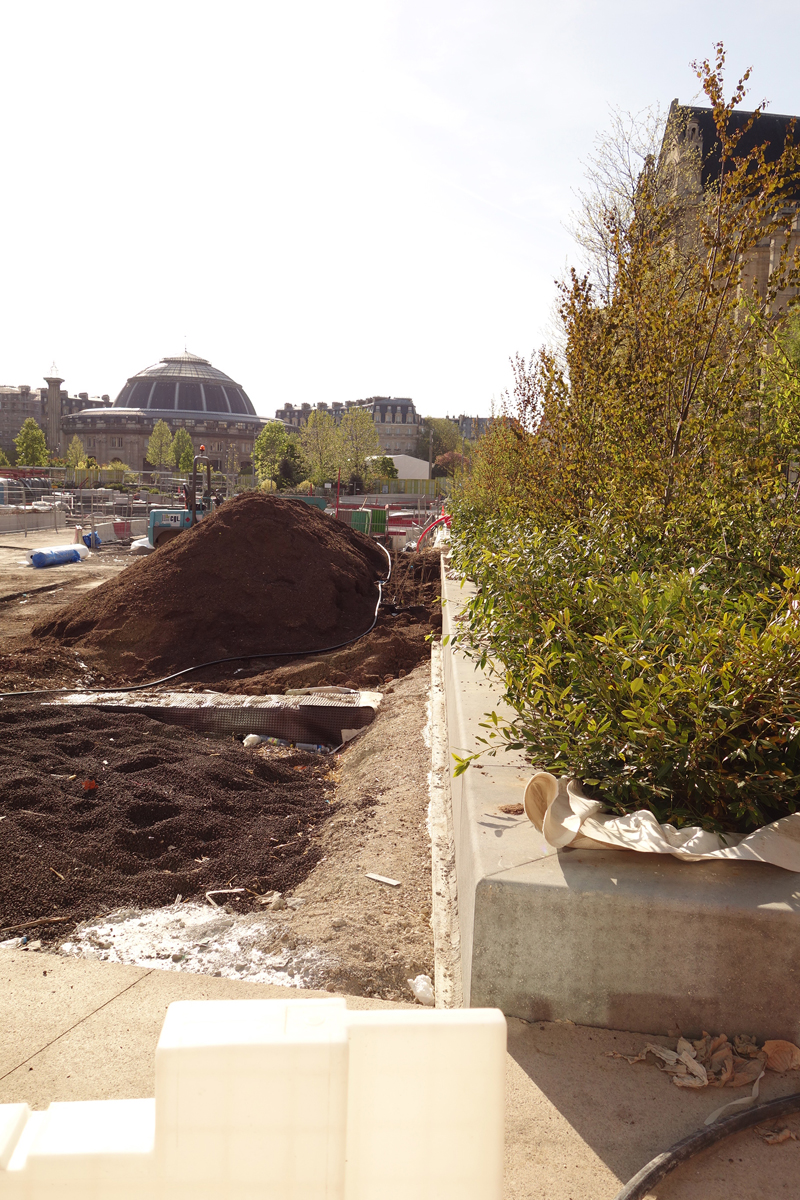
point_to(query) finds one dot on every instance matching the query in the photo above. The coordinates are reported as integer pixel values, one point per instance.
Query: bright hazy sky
(330, 199)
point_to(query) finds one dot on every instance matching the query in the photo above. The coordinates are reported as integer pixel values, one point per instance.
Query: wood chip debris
(33, 924)
(222, 892)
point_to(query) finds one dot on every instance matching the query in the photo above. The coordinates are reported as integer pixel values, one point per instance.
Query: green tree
(31, 445)
(319, 439)
(76, 453)
(292, 467)
(182, 450)
(654, 407)
(450, 463)
(445, 437)
(268, 449)
(3, 460)
(357, 443)
(631, 519)
(382, 467)
(159, 447)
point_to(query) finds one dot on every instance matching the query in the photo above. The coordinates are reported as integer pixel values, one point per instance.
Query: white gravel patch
(259, 947)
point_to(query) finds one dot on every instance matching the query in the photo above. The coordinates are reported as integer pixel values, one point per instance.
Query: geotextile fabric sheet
(566, 817)
(318, 717)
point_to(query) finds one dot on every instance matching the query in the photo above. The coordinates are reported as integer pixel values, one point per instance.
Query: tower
(52, 422)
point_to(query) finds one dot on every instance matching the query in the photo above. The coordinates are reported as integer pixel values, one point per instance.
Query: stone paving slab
(578, 1123)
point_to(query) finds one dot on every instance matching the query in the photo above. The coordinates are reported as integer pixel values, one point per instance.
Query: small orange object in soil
(89, 785)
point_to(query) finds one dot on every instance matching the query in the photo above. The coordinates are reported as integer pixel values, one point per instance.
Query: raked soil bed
(100, 810)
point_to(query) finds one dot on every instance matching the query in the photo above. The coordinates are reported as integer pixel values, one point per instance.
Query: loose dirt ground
(342, 930)
(409, 616)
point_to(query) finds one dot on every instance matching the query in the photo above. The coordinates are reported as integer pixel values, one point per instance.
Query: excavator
(167, 523)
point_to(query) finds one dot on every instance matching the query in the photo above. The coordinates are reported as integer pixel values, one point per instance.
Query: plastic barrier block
(282, 1100)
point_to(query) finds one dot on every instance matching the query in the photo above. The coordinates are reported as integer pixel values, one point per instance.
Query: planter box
(610, 938)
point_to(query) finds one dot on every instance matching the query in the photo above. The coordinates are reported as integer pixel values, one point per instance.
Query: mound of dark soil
(263, 574)
(172, 812)
(410, 614)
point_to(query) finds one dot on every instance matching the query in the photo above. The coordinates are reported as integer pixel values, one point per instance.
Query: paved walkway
(578, 1123)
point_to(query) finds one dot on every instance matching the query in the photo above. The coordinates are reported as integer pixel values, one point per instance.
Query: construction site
(227, 775)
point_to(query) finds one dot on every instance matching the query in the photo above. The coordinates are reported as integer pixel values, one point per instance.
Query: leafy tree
(76, 454)
(292, 465)
(159, 447)
(319, 439)
(383, 467)
(358, 442)
(631, 519)
(445, 436)
(232, 459)
(31, 445)
(3, 460)
(182, 450)
(450, 462)
(655, 404)
(269, 447)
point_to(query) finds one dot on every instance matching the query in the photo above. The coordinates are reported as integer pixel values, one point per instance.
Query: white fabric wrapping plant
(567, 818)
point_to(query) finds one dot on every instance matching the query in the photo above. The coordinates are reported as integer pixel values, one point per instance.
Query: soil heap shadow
(263, 574)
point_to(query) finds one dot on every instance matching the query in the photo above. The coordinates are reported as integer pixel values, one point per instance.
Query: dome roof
(185, 383)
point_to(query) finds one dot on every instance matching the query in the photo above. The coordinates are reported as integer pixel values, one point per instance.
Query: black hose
(137, 687)
(662, 1164)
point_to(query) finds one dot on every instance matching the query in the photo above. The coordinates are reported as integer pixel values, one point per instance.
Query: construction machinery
(166, 523)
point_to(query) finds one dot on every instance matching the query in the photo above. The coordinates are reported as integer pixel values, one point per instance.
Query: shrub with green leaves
(670, 687)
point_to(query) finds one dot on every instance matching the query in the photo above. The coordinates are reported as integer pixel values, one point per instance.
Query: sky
(327, 201)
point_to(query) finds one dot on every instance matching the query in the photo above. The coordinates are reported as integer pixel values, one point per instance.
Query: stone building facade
(471, 428)
(396, 419)
(19, 403)
(186, 392)
(16, 405)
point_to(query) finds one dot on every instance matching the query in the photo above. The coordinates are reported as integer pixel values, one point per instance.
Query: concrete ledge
(608, 938)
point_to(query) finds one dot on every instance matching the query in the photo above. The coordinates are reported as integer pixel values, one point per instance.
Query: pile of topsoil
(104, 810)
(410, 615)
(263, 574)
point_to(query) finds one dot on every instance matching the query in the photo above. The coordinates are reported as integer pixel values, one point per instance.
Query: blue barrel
(55, 558)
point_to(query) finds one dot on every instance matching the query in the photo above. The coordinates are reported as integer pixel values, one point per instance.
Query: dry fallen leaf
(746, 1070)
(782, 1056)
(777, 1136)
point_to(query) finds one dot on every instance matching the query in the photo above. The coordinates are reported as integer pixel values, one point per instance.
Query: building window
(116, 443)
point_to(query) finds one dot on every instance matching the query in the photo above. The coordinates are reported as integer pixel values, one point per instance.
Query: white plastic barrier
(283, 1100)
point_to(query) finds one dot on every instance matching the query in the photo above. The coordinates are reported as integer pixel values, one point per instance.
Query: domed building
(188, 393)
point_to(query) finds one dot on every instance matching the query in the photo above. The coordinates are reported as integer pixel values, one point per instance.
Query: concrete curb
(444, 919)
(609, 938)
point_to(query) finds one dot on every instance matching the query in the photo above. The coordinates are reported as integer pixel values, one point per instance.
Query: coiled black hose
(215, 662)
(662, 1164)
